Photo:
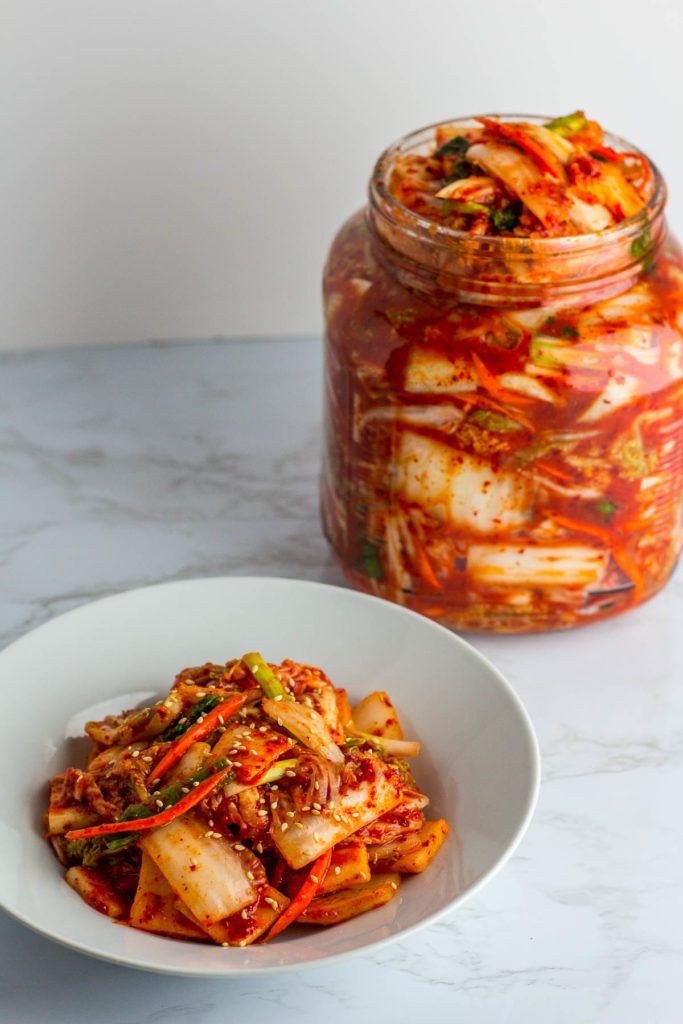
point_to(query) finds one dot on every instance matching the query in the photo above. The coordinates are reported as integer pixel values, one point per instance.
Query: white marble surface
(131, 465)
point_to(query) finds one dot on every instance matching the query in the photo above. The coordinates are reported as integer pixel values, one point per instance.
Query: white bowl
(480, 762)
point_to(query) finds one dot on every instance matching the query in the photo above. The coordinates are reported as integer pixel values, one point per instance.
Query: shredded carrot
(489, 381)
(212, 720)
(543, 159)
(590, 528)
(621, 557)
(551, 470)
(628, 566)
(425, 566)
(195, 796)
(306, 893)
(472, 398)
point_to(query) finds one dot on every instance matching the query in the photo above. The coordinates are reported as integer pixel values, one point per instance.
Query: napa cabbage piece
(256, 751)
(412, 853)
(429, 372)
(306, 725)
(529, 386)
(377, 791)
(620, 389)
(204, 872)
(459, 488)
(92, 886)
(336, 907)
(154, 907)
(193, 760)
(249, 925)
(144, 724)
(541, 565)
(377, 715)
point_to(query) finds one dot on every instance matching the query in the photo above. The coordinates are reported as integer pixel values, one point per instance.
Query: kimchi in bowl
(479, 761)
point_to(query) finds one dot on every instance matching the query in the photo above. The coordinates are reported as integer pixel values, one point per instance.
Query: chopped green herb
(640, 246)
(568, 332)
(458, 144)
(569, 124)
(508, 218)
(606, 507)
(495, 421)
(462, 169)
(370, 560)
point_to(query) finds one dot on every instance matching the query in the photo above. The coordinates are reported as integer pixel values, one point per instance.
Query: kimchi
(504, 365)
(252, 797)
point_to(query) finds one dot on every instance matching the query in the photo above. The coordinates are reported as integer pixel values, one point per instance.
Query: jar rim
(382, 202)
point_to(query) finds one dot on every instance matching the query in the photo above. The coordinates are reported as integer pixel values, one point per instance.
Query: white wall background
(176, 168)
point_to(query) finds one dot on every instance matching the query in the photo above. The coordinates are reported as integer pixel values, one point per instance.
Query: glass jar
(503, 433)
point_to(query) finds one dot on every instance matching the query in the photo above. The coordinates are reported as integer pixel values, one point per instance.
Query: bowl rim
(370, 947)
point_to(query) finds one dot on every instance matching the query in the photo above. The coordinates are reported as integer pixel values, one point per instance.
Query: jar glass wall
(503, 430)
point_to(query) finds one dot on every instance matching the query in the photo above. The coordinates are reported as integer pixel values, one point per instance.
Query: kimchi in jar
(504, 373)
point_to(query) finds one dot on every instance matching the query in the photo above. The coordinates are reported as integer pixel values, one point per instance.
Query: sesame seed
(337, 870)
(314, 811)
(279, 697)
(136, 753)
(393, 885)
(316, 836)
(279, 721)
(147, 759)
(244, 915)
(194, 785)
(284, 826)
(273, 903)
(262, 813)
(259, 847)
(263, 728)
(159, 803)
(317, 806)
(298, 824)
(274, 804)
(315, 879)
(225, 943)
(250, 876)
(240, 846)
(330, 803)
(290, 774)
(237, 764)
(184, 789)
(316, 785)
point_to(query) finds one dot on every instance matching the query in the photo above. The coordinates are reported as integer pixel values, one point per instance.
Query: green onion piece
(264, 676)
(458, 144)
(570, 124)
(469, 207)
(207, 703)
(276, 771)
(606, 507)
(370, 560)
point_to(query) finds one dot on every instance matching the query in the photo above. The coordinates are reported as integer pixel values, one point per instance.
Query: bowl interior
(479, 760)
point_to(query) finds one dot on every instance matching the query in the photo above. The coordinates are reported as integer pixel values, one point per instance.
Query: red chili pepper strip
(306, 893)
(607, 153)
(195, 796)
(544, 160)
(198, 731)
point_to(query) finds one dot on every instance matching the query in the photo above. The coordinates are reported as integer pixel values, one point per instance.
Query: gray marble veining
(131, 465)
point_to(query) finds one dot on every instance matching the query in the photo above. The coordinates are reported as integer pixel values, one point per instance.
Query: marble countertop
(131, 465)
